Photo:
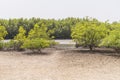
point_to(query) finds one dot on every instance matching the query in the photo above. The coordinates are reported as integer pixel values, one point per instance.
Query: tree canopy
(37, 39)
(59, 29)
(113, 38)
(89, 32)
(3, 32)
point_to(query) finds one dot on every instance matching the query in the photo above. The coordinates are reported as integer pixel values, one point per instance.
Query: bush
(37, 39)
(36, 44)
(3, 32)
(19, 39)
(53, 43)
(112, 40)
(88, 33)
(9, 45)
(13, 45)
(1, 45)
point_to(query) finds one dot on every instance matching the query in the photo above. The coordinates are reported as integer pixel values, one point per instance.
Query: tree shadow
(114, 55)
(96, 51)
(101, 51)
(31, 53)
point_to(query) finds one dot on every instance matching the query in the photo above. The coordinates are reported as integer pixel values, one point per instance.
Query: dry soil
(59, 65)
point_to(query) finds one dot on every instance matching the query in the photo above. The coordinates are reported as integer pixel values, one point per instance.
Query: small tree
(20, 38)
(38, 32)
(89, 32)
(112, 40)
(3, 32)
(37, 38)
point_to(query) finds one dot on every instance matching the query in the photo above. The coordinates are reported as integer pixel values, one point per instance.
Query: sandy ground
(59, 65)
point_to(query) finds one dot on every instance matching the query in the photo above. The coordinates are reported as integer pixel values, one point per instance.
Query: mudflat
(59, 65)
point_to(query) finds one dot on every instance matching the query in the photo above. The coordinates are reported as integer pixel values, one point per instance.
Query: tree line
(60, 29)
(36, 33)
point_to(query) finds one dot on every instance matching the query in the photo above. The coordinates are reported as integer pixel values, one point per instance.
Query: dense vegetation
(60, 29)
(92, 33)
(37, 39)
(36, 33)
(89, 32)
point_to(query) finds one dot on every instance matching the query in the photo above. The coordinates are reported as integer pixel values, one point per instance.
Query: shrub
(112, 40)
(19, 39)
(88, 33)
(3, 32)
(37, 39)
(53, 43)
(9, 45)
(1, 45)
(36, 44)
(12, 45)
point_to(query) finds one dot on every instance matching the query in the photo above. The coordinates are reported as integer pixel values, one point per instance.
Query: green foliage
(52, 43)
(1, 45)
(60, 29)
(113, 38)
(89, 33)
(9, 45)
(3, 32)
(21, 35)
(38, 32)
(37, 39)
(20, 38)
(36, 44)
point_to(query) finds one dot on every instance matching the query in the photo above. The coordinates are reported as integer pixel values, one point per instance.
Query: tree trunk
(39, 50)
(91, 48)
(117, 50)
